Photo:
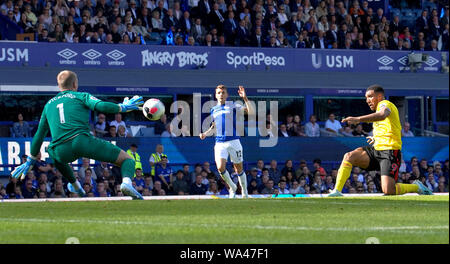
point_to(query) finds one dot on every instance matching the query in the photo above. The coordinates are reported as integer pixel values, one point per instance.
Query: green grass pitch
(400, 219)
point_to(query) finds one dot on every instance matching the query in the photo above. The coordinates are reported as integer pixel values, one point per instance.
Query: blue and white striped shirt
(226, 117)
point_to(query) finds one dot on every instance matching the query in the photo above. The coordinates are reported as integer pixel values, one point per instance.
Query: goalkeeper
(67, 117)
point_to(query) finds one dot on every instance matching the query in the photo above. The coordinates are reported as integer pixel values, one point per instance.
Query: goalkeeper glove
(22, 170)
(130, 105)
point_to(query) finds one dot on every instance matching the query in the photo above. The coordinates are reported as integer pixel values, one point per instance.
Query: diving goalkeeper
(67, 117)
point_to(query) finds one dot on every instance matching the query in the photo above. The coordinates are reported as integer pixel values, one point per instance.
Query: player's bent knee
(122, 157)
(389, 192)
(349, 157)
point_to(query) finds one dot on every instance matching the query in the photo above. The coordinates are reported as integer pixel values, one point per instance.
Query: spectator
(86, 165)
(155, 157)
(168, 132)
(58, 191)
(198, 188)
(139, 180)
(180, 184)
(347, 131)
(157, 188)
(198, 32)
(41, 166)
(318, 167)
(160, 125)
(300, 169)
(318, 185)
(122, 132)
(282, 188)
(21, 128)
(283, 132)
(207, 168)
(359, 132)
(112, 132)
(253, 187)
(164, 173)
(148, 183)
(11, 187)
(405, 130)
(329, 184)
(312, 129)
(274, 172)
(3, 194)
(333, 126)
(117, 121)
(188, 176)
(135, 156)
(299, 129)
(431, 182)
(268, 189)
(287, 168)
(253, 175)
(295, 188)
(213, 189)
(101, 127)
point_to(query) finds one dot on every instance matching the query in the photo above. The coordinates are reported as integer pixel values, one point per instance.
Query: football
(153, 109)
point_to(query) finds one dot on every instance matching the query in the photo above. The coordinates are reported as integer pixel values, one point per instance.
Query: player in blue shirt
(225, 115)
(164, 173)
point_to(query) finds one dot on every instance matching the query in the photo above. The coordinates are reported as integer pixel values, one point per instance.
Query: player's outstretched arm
(43, 128)
(111, 108)
(131, 104)
(208, 132)
(382, 114)
(248, 107)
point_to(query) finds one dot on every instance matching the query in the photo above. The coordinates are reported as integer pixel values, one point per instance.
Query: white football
(153, 109)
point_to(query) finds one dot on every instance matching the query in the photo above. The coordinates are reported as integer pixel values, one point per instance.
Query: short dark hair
(376, 88)
(221, 87)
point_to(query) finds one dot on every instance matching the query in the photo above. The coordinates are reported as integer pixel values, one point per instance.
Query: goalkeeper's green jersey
(67, 115)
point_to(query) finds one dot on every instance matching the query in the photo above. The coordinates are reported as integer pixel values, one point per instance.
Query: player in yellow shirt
(383, 153)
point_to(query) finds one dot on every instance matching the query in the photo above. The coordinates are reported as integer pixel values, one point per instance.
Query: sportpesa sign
(256, 58)
(15, 54)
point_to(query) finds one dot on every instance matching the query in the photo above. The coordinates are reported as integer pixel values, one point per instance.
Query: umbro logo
(115, 55)
(403, 60)
(67, 54)
(385, 60)
(431, 61)
(91, 54)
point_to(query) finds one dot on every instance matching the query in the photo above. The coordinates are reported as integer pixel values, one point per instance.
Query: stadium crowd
(320, 24)
(291, 127)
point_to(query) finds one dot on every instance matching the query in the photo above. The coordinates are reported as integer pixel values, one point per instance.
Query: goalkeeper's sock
(226, 177)
(243, 183)
(402, 188)
(127, 169)
(66, 172)
(343, 174)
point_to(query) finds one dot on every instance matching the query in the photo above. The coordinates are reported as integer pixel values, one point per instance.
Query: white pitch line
(193, 197)
(216, 226)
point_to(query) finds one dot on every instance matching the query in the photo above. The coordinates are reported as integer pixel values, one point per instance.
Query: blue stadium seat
(395, 12)
(418, 12)
(292, 40)
(408, 13)
(403, 4)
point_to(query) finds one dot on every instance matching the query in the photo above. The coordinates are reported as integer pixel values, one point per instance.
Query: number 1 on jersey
(61, 113)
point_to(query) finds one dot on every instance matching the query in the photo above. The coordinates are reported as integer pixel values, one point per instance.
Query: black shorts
(386, 161)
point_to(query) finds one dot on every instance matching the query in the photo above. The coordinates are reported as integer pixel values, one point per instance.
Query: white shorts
(232, 148)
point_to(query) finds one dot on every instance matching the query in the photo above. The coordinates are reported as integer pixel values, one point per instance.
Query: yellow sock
(402, 188)
(343, 174)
